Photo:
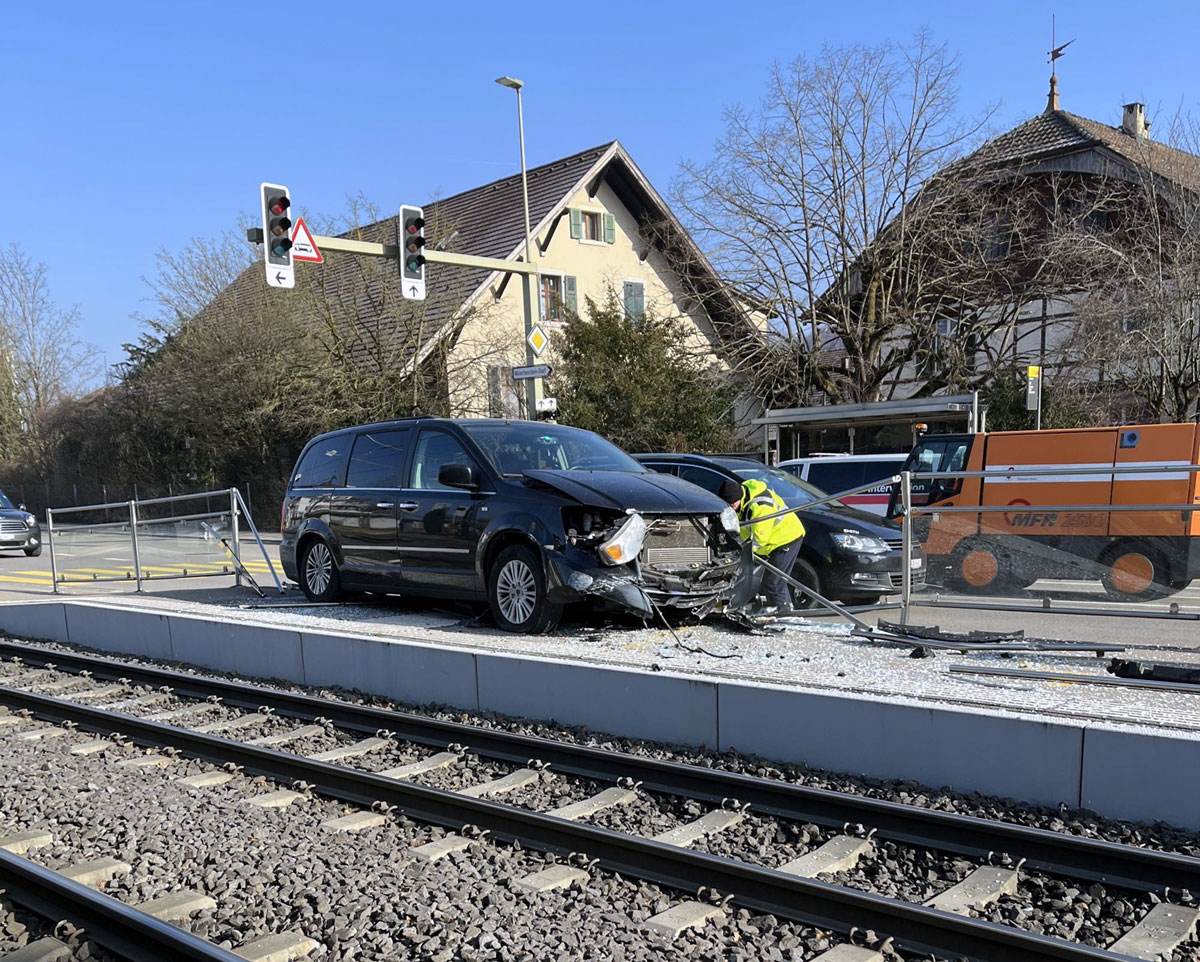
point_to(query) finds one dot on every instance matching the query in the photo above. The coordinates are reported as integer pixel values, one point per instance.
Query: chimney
(1133, 121)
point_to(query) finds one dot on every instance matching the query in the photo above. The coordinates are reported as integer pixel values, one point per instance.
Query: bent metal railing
(1091, 474)
(138, 525)
(849, 613)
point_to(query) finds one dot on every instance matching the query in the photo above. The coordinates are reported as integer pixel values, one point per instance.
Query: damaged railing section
(184, 536)
(823, 602)
(1090, 539)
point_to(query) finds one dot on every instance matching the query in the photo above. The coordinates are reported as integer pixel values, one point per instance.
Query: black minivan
(528, 516)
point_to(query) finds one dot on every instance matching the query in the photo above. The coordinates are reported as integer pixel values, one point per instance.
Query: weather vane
(1056, 52)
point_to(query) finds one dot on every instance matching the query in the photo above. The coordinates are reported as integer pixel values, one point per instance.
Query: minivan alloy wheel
(516, 591)
(318, 568)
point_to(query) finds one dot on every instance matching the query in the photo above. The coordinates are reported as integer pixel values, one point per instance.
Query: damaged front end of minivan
(642, 562)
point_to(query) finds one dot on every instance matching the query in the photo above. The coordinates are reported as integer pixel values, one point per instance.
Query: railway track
(789, 891)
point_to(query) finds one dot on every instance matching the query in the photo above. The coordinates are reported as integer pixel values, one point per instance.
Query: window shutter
(576, 224)
(633, 295)
(570, 297)
(610, 229)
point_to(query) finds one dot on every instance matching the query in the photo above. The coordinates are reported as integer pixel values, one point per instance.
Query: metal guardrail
(1090, 474)
(235, 512)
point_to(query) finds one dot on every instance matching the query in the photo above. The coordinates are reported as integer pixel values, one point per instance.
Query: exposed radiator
(671, 541)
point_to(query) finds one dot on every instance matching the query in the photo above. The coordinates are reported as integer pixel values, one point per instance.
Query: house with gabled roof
(1063, 167)
(599, 226)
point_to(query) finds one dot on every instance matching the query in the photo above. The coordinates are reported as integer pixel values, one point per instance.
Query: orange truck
(1060, 525)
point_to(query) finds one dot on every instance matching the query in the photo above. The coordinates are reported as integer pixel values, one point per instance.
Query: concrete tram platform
(812, 695)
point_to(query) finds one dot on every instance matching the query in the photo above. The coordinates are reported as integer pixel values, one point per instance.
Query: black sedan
(526, 516)
(19, 530)
(847, 555)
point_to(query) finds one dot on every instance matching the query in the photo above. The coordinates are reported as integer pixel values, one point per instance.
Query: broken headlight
(729, 521)
(624, 546)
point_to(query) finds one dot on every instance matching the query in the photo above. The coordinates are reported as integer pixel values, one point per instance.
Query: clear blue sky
(132, 126)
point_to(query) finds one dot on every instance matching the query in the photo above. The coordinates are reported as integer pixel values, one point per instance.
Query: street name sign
(530, 372)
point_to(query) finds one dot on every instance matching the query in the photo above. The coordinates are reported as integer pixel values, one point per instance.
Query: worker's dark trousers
(778, 592)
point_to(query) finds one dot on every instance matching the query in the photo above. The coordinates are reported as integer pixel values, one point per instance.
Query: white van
(840, 472)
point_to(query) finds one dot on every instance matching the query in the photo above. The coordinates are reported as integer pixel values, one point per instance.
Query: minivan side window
(434, 449)
(378, 459)
(324, 464)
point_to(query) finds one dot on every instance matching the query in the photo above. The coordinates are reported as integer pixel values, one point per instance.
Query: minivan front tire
(319, 573)
(517, 592)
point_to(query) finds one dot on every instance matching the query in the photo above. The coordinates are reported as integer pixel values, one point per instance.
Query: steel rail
(124, 504)
(1069, 855)
(915, 928)
(120, 928)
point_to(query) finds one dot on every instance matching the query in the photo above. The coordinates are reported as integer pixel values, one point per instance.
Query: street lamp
(532, 300)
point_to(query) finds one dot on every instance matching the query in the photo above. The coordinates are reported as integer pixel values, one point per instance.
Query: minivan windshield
(786, 485)
(514, 447)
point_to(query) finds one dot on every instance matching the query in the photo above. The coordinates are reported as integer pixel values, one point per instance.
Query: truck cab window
(933, 455)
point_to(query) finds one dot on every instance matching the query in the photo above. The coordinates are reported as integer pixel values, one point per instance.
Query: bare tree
(1135, 244)
(44, 357)
(810, 207)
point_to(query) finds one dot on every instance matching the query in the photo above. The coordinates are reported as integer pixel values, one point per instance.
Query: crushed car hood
(647, 492)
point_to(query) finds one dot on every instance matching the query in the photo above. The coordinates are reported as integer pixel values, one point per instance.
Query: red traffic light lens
(414, 225)
(278, 205)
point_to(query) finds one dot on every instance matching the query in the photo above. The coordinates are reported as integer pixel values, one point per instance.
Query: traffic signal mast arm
(254, 235)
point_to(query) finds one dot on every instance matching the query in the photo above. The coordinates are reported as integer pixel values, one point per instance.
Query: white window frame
(542, 315)
(598, 213)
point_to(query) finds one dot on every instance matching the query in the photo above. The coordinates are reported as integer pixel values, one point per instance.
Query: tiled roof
(487, 221)
(1057, 132)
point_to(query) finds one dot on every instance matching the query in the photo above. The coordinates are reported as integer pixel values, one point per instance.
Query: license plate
(914, 563)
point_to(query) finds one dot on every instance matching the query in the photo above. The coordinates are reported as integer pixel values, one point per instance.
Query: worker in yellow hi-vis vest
(777, 541)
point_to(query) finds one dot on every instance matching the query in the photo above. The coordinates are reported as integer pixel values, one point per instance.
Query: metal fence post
(237, 548)
(50, 540)
(906, 545)
(137, 560)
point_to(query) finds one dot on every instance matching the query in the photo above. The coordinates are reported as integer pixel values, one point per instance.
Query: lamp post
(532, 284)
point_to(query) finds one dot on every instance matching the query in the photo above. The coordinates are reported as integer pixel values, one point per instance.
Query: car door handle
(409, 506)
(385, 504)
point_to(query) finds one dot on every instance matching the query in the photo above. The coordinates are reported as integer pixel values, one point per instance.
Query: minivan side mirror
(21, 507)
(458, 476)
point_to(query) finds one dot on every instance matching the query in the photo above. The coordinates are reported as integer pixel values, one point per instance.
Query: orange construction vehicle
(1060, 525)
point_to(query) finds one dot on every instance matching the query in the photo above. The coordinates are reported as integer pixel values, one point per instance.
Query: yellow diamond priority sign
(537, 340)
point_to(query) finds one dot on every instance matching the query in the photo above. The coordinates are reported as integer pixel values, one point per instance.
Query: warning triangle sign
(303, 247)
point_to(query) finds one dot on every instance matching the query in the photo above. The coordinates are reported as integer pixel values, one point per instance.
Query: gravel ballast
(1090, 913)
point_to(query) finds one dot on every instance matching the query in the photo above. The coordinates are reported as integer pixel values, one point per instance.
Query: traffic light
(277, 235)
(411, 241)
